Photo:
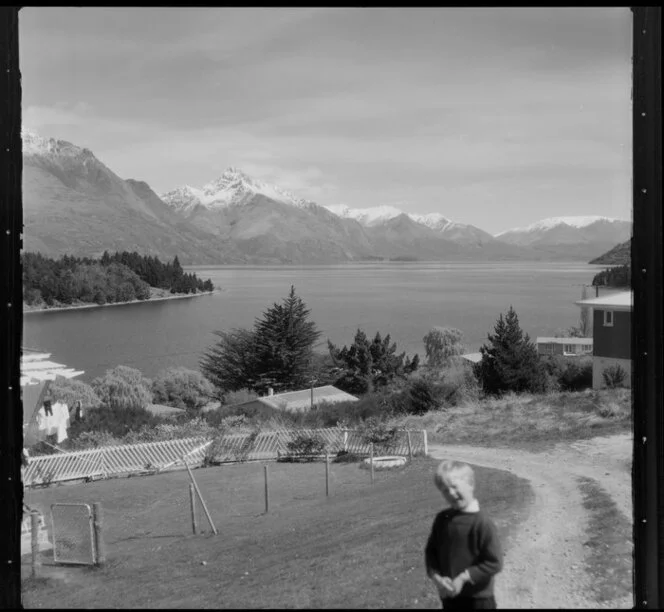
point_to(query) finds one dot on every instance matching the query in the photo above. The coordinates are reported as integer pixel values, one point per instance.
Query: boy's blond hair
(447, 467)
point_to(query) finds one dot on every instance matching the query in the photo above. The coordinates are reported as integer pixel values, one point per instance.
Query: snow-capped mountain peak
(367, 216)
(435, 221)
(233, 187)
(577, 222)
(34, 144)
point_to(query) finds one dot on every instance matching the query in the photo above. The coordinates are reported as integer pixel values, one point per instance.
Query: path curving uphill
(544, 567)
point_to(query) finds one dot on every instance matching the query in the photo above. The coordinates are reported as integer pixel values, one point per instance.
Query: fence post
(426, 446)
(104, 470)
(98, 524)
(267, 492)
(371, 461)
(346, 440)
(192, 500)
(327, 474)
(410, 447)
(200, 497)
(34, 539)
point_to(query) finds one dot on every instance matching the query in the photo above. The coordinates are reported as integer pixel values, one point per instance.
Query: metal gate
(73, 534)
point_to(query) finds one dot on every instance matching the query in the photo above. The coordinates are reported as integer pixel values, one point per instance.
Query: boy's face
(457, 490)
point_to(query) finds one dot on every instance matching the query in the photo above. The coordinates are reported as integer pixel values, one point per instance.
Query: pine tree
(367, 366)
(284, 342)
(230, 364)
(356, 362)
(277, 353)
(510, 362)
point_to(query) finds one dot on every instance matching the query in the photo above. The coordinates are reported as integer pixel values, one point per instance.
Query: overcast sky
(494, 117)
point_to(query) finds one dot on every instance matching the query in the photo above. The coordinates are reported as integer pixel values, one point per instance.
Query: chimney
(270, 391)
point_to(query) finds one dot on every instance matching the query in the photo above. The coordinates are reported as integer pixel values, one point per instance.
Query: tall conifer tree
(510, 361)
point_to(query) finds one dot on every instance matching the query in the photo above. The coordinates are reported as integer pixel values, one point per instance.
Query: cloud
(449, 110)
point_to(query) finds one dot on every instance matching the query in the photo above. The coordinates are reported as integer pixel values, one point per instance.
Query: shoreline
(29, 310)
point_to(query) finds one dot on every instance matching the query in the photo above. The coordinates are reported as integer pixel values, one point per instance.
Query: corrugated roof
(616, 301)
(301, 400)
(564, 340)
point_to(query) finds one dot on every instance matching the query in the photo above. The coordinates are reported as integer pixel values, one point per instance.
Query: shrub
(116, 422)
(614, 376)
(377, 432)
(70, 390)
(422, 396)
(347, 457)
(93, 439)
(569, 373)
(122, 388)
(182, 388)
(373, 405)
(257, 413)
(459, 384)
(305, 446)
(578, 375)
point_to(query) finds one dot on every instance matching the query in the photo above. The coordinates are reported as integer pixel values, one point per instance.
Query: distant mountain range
(577, 236)
(74, 204)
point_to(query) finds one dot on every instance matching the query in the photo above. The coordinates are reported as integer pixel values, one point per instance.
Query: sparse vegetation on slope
(532, 422)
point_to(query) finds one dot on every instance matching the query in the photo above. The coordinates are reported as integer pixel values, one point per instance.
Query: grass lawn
(360, 548)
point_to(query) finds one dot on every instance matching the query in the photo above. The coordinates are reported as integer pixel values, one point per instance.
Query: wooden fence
(159, 456)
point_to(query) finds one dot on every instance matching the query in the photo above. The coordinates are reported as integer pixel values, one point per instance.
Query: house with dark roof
(300, 401)
(612, 334)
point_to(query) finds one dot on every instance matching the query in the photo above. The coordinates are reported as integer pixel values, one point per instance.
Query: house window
(568, 348)
(587, 348)
(608, 318)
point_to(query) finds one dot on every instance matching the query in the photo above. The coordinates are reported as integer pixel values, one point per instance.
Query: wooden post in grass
(98, 524)
(371, 462)
(410, 447)
(267, 491)
(34, 539)
(327, 474)
(192, 499)
(426, 446)
(200, 497)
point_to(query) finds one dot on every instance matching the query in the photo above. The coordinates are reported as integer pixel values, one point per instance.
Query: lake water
(404, 300)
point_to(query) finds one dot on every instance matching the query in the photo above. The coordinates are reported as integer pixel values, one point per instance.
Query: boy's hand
(459, 582)
(445, 585)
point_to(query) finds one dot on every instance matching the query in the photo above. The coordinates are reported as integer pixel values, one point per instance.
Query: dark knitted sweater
(465, 541)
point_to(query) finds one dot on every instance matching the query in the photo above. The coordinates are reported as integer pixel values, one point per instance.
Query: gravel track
(544, 568)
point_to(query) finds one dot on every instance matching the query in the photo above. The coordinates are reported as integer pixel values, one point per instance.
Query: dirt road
(545, 568)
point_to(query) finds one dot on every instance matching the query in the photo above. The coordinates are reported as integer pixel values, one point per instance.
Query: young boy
(463, 552)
